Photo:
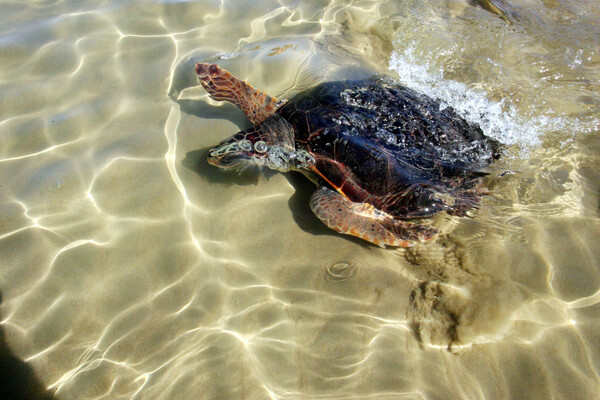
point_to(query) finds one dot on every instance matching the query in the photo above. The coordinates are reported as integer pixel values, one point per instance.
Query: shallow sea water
(132, 269)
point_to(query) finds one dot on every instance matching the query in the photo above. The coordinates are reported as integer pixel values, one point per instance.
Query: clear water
(129, 268)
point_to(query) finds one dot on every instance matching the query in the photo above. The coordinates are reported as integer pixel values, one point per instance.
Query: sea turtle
(380, 153)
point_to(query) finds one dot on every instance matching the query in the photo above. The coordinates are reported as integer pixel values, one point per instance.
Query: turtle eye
(245, 145)
(308, 159)
(260, 146)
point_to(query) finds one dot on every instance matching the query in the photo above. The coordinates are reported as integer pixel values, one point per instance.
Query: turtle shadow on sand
(299, 204)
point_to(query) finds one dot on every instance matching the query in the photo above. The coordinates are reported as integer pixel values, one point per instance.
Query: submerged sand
(132, 269)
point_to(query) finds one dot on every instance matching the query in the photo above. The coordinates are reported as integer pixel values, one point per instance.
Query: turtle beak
(227, 155)
(227, 161)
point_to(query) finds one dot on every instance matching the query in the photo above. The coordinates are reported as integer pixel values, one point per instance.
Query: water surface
(130, 268)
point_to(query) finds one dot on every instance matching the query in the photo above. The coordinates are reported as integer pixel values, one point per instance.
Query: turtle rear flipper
(221, 85)
(365, 221)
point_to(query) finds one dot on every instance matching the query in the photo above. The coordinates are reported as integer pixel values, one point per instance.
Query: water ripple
(127, 273)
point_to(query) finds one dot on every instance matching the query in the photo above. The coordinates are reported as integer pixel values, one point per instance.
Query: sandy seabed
(132, 269)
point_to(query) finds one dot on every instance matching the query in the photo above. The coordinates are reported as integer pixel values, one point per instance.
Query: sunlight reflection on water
(132, 269)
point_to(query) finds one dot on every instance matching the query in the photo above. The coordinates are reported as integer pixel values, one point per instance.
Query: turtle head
(270, 143)
(246, 147)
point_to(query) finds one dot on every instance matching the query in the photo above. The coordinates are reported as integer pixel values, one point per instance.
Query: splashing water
(498, 119)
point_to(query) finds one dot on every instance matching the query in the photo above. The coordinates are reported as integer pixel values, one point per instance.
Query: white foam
(497, 119)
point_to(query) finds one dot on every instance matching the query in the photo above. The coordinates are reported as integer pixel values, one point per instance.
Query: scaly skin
(221, 85)
(365, 221)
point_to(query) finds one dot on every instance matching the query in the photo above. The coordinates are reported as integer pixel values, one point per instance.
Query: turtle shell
(381, 143)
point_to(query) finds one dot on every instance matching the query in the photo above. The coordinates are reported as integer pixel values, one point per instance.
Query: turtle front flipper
(221, 85)
(365, 221)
